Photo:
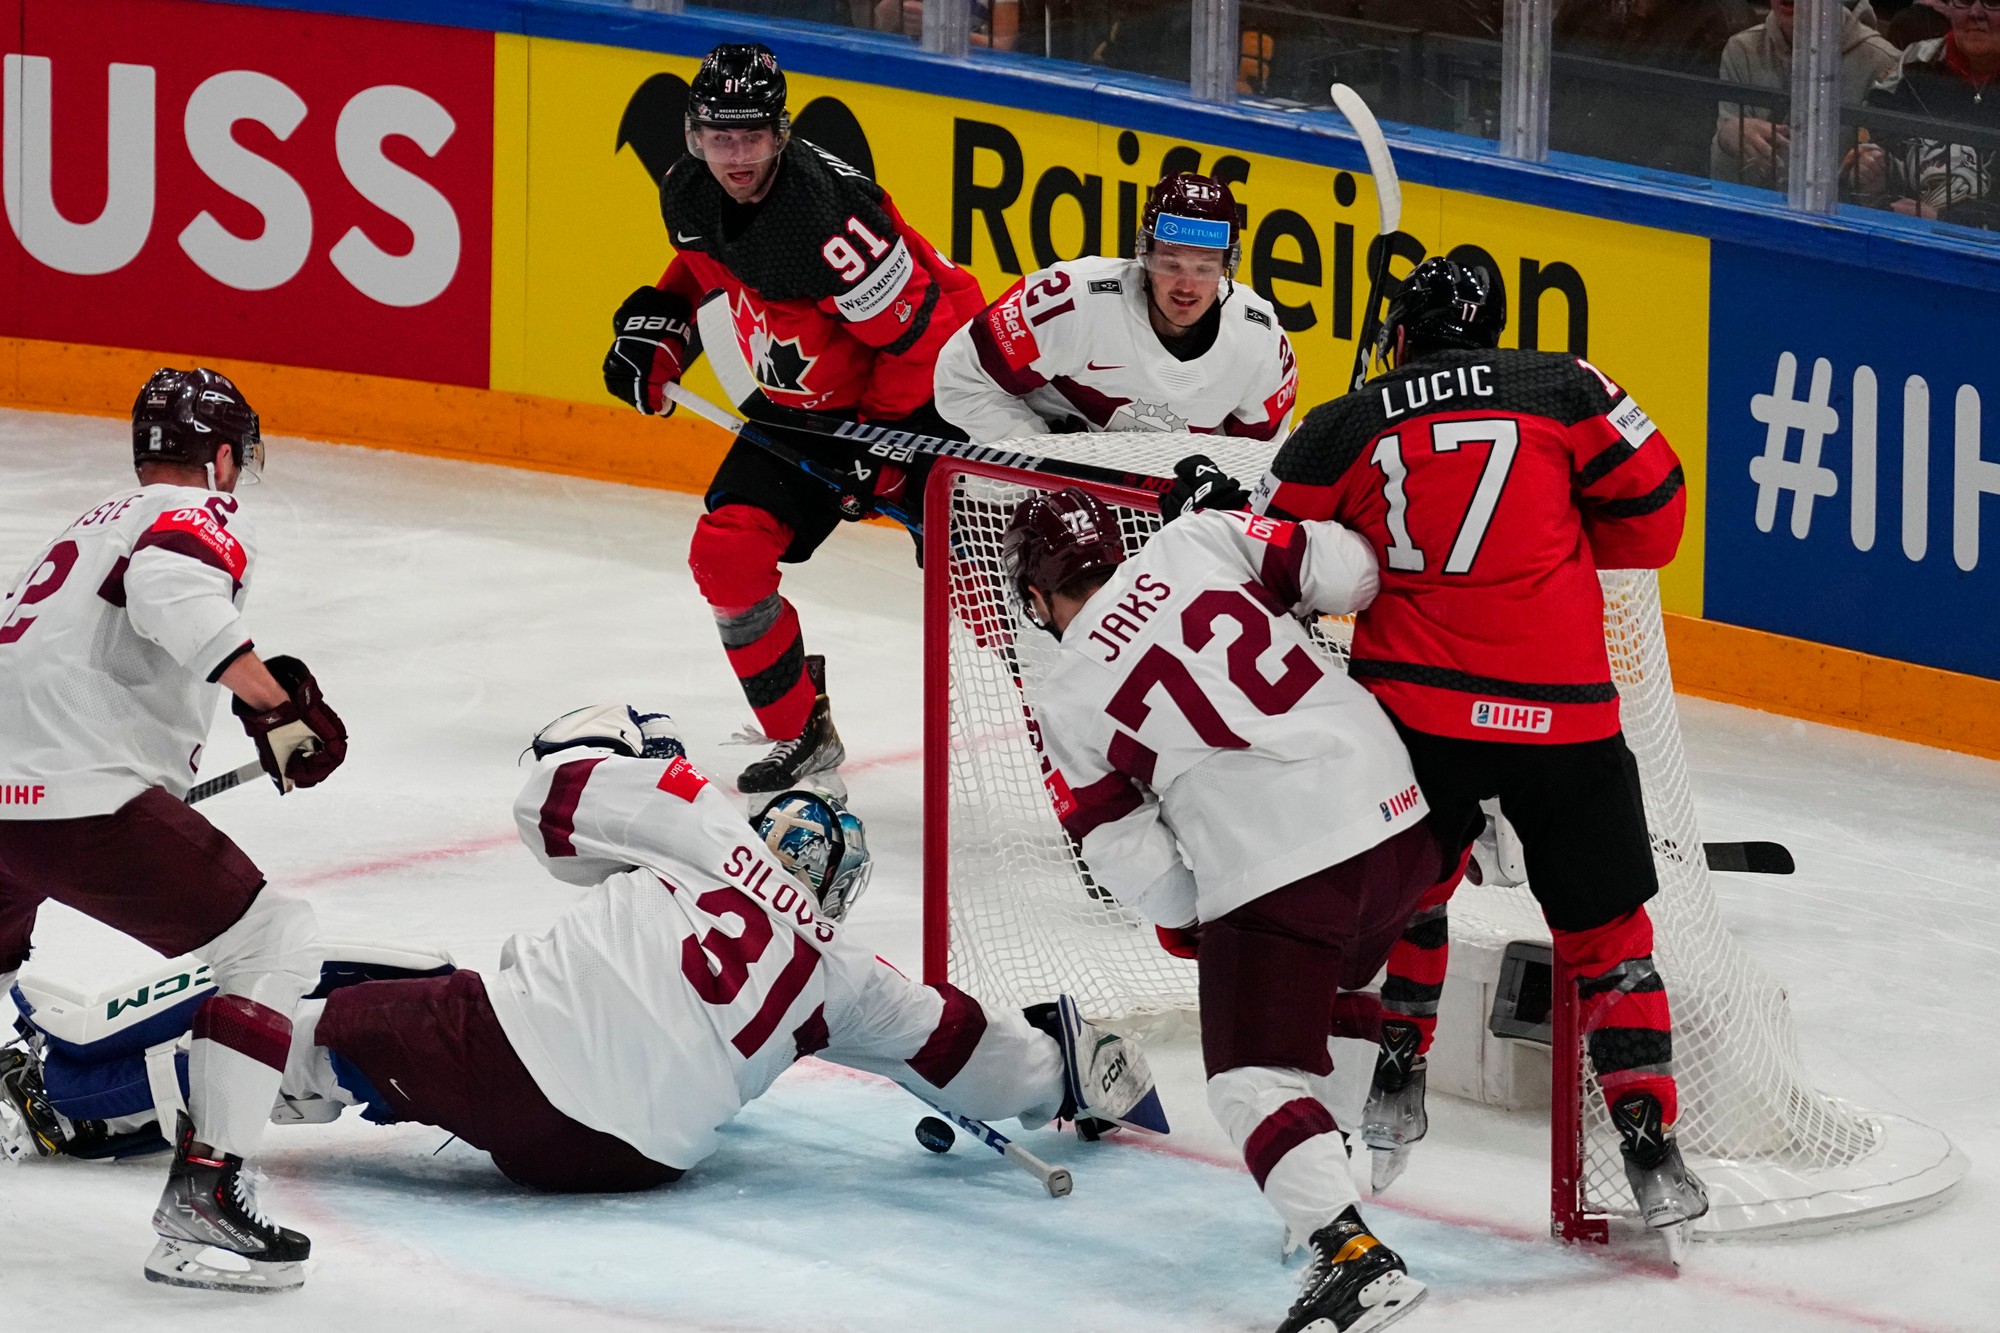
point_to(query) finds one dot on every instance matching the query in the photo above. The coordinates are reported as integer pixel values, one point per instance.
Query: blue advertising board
(1854, 459)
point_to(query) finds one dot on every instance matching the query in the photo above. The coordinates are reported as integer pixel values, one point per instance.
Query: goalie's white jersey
(694, 971)
(1203, 754)
(1072, 344)
(110, 643)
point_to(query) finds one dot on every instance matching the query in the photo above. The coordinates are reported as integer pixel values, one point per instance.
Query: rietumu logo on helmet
(1189, 241)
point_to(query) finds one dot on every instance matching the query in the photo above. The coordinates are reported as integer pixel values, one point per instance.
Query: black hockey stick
(235, 777)
(1388, 202)
(900, 446)
(1055, 1179)
(1755, 858)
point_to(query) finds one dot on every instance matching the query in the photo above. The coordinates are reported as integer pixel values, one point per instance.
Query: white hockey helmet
(625, 728)
(821, 843)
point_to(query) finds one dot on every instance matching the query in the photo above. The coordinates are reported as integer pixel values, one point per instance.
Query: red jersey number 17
(1502, 435)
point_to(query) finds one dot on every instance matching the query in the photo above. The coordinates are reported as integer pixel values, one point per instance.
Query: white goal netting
(1025, 919)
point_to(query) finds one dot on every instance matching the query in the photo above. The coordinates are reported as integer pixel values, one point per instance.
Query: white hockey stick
(235, 777)
(1055, 1179)
(1389, 203)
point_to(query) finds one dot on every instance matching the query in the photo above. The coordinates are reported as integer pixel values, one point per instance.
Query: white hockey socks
(243, 1032)
(1289, 1141)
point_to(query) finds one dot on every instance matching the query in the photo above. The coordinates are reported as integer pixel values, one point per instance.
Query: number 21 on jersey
(1501, 435)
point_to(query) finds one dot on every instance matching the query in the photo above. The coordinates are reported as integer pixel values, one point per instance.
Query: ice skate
(1395, 1118)
(29, 1126)
(810, 759)
(1669, 1195)
(1354, 1283)
(210, 1205)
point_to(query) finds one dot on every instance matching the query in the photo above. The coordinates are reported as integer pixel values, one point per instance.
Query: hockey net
(1012, 914)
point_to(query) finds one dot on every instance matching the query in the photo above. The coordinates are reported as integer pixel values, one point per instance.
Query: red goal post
(1012, 915)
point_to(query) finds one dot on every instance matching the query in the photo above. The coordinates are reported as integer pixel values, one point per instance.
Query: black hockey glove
(1200, 484)
(652, 342)
(300, 741)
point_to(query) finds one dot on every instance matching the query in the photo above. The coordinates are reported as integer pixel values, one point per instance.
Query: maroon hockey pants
(433, 1050)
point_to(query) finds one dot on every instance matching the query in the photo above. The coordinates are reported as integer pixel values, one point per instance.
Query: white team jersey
(1073, 343)
(694, 972)
(1185, 708)
(110, 643)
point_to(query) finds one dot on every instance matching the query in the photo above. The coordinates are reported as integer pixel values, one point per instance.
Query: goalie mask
(621, 727)
(821, 844)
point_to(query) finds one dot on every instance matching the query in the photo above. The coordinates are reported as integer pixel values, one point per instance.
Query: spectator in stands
(995, 23)
(1945, 80)
(1651, 124)
(1906, 22)
(1750, 143)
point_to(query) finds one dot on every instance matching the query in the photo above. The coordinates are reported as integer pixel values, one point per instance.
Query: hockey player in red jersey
(1493, 486)
(839, 307)
(704, 958)
(1255, 805)
(114, 646)
(1167, 341)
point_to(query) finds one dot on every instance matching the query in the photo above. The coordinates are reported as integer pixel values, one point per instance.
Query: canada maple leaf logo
(777, 363)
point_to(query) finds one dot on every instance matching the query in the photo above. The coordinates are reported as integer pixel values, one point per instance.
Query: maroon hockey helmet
(1055, 538)
(180, 416)
(1192, 210)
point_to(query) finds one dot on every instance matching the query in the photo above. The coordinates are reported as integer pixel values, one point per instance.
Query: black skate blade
(179, 1263)
(1753, 858)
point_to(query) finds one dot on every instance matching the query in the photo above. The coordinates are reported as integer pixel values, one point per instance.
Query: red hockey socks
(734, 558)
(1627, 1027)
(1417, 962)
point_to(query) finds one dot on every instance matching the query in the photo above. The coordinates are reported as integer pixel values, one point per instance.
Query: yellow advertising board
(1005, 191)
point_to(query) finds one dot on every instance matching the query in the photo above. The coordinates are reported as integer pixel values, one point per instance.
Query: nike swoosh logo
(685, 240)
(398, 1087)
(1092, 365)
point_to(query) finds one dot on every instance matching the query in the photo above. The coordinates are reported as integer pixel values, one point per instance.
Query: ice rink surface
(450, 609)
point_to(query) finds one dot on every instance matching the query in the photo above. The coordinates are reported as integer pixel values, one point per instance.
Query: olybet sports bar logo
(1511, 717)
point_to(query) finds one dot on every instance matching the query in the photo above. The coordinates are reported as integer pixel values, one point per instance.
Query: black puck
(935, 1134)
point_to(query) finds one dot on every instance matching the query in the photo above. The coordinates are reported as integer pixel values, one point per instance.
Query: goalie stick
(1388, 203)
(235, 777)
(1055, 1179)
(898, 446)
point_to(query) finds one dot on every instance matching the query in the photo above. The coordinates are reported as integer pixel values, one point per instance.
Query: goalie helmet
(620, 727)
(1444, 304)
(180, 416)
(1055, 539)
(821, 843)
(738, 87)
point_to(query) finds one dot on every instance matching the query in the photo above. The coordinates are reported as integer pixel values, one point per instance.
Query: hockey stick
(1389, 202)
(235, 777)
(899, 446)
(1055, 1179)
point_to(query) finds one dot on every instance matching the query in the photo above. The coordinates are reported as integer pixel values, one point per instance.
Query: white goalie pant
(243, 1032)
(1288, 1139)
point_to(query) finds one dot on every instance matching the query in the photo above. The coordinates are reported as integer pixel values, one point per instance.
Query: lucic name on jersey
(1186, 707)
(1493, 485)
(694, 972)
(1073, 343)
(110, 646)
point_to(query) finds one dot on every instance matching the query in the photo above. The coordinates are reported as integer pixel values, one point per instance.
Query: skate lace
(248, 1182)
(780, 750)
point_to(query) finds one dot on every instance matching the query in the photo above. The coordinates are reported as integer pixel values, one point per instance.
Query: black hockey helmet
(180, 416)
(739, 86)
(1056, 539)
(821, 843)
(1188, 209)
(1444, 304)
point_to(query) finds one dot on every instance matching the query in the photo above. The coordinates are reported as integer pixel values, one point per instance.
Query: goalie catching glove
(652, 343)
(300, 741)
(1106, 1076)
(1200, 484)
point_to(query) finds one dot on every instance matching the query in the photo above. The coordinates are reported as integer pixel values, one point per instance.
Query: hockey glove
(1180, 941)
(651, 340)
(1200, 484)
(300, 741)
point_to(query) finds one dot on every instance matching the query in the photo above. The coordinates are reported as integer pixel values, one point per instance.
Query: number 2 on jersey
(1504, 437)
(59, 560)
